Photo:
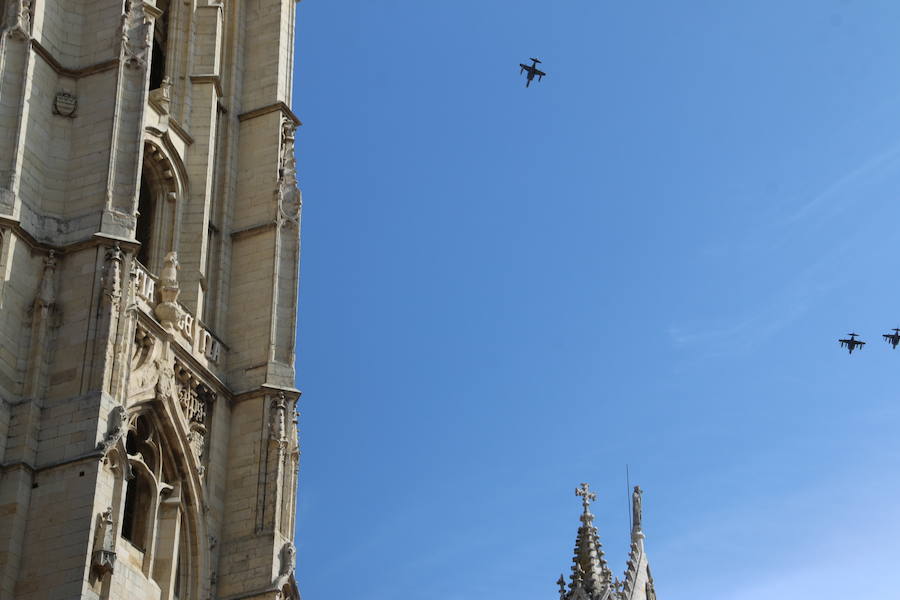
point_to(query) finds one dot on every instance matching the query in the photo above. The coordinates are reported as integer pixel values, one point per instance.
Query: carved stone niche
(195, 399)
(143, 345)
(145, 362)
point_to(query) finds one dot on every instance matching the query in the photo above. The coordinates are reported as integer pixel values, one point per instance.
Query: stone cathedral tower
(591, 577)
(149, 249)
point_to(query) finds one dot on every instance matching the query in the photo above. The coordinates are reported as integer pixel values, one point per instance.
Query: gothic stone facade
(149, 250)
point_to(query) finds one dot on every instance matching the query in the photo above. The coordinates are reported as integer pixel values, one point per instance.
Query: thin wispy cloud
(844, 191)
(776, 308)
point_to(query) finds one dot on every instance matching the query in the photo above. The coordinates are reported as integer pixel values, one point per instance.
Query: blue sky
(645, 259)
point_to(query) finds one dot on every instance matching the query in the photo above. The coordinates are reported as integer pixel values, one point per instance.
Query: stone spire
(591, 576)
(638, 584)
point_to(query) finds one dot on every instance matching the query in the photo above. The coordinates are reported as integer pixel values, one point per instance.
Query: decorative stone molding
(65, 104)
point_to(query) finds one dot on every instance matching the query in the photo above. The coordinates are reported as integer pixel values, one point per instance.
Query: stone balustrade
(191, 333)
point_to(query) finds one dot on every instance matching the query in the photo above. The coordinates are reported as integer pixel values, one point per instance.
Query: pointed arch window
(159, 519)
(140, 491)
(156, 207)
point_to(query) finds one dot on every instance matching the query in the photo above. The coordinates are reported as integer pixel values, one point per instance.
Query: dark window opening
(157, 66)
(144, 231)
(137, 507)
(181, 568)
(131, 444)
(158, 55)
(212, 253)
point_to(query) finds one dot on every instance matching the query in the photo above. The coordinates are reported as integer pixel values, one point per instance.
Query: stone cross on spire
(587, 496)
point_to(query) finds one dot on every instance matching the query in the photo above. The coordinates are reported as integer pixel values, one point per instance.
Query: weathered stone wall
(147, 435)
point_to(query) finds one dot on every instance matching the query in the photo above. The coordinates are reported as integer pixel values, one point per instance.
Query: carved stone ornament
(195, 399)
(143, 345)
(165, 385)
(648, 587)
(103, 560)
(289, 197)
(278, 416)
(65, 104)
(194, 396)
(161, 97)
(636, 508)
(288, 559)
(18, 19)
(46, 296)
(112, 277)
(167, 311)
(115, 429)
(135, 34)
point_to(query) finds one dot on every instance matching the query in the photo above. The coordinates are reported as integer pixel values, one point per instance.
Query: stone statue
(168, 277)
(103, 560)
(636, 508)
(168, 311)
(47, 292)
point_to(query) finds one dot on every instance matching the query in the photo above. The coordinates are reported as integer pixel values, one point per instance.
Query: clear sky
(645, 259)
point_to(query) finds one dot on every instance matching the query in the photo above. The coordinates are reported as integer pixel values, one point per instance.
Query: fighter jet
(532, 71)
(852, 343)
(892, 338)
